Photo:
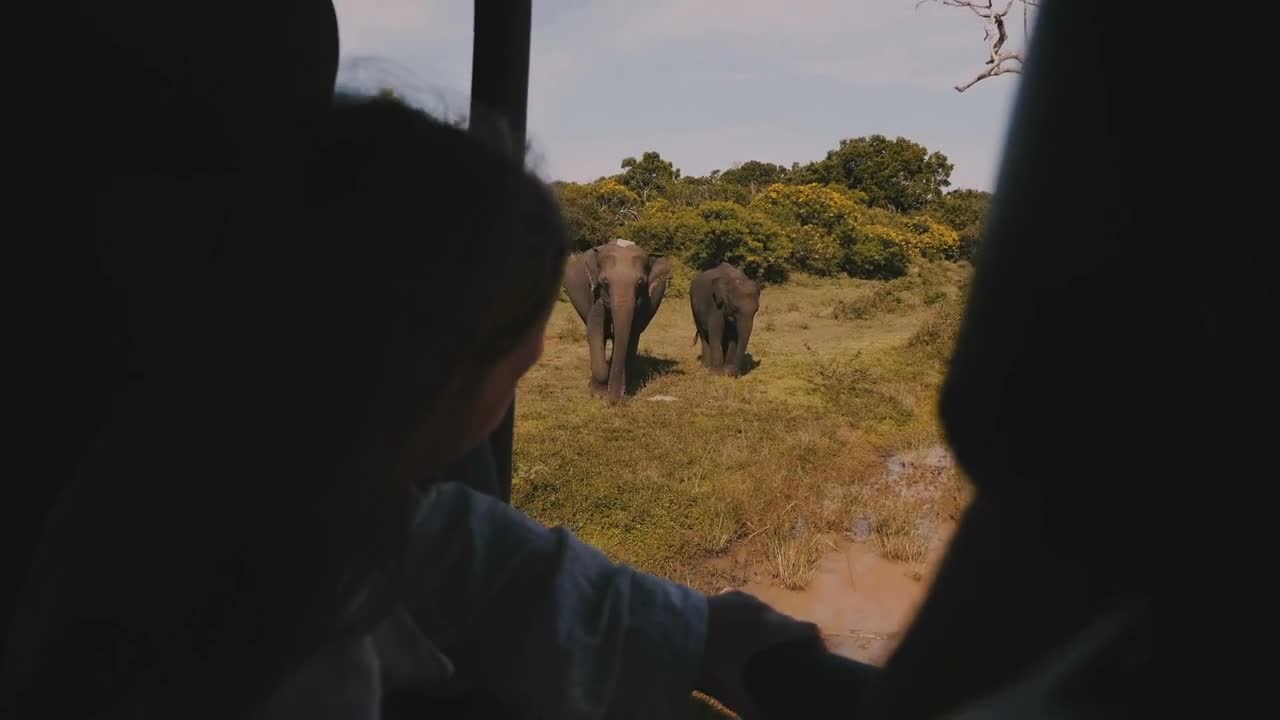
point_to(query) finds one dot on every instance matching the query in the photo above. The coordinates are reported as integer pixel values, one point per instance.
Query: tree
(897, 174)
(693, 191)
(748, 239)
(594, 213)
(754, 175)
(817, 218)
(965, 211)
(823, 206)
(666, 228)
(999, 60)
(962, 208)
(876, 252)
(649, 175)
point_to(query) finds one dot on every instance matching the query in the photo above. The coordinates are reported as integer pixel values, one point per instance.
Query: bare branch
(1001, 36)
(999, 61)
(997, 68)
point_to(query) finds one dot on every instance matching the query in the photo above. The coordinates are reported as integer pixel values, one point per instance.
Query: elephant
(724, 302)
(616, 288)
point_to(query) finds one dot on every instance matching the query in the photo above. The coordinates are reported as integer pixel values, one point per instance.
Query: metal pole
(500, 92)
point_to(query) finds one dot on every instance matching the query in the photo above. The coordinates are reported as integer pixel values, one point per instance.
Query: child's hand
(738, 626)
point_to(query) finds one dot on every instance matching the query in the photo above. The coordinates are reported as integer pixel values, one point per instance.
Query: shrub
(825, 207)
(814, 251)
(665, 228)
(876, 252)
(884, 298)
(594, 212)
(745, 238)
(682, 276)
(932, 239)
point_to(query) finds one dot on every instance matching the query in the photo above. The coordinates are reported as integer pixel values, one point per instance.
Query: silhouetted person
(253, 515)
(165, 107)
(1042, 605)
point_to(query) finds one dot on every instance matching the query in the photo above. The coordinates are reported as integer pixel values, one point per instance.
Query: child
(249, 538)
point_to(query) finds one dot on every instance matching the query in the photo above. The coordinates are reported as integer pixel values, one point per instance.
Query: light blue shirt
(563, 631)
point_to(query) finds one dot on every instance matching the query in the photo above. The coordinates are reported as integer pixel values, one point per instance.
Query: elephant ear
(659, 276)
(591, 264)
(720, 289)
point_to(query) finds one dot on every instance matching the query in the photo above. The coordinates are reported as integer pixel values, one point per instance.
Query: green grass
(793, 449)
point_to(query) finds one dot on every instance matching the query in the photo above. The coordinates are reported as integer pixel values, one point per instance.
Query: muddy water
(862, 602)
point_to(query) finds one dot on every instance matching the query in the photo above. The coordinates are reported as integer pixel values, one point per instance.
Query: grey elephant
(616, 289)
(724, 302)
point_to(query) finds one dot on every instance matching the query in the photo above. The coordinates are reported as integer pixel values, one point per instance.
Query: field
(812, 445)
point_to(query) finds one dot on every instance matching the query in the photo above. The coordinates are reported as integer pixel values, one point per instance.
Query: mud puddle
(862, 602)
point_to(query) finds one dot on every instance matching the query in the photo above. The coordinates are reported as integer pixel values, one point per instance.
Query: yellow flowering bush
(823, 206)
(814, 250)
(932, 239)
(877, 251)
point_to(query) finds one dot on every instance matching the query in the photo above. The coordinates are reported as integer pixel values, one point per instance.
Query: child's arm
(543, 620)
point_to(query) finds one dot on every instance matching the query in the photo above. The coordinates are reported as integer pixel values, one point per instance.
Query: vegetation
(870, 209)
(866, 256)
(896, 174)
(844, 374)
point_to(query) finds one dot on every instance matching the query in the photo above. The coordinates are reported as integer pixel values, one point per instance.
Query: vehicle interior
(1025, 383)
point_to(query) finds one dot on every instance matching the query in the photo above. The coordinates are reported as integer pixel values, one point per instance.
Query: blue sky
(707, 83)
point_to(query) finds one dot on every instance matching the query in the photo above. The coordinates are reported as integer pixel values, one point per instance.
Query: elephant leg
(715, 341)
(705, 356)
(730, 349)
(595, 344)
(633, 370)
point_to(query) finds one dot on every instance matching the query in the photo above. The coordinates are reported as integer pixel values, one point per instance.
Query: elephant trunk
(733, 364)
(623, 310)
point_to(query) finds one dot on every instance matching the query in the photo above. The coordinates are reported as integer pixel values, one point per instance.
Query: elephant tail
(695, 336)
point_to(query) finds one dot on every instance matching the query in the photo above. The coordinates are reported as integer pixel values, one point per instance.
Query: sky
(707, 83)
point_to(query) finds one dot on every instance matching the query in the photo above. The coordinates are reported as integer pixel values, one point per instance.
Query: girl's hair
(424, 257)
(268, 517)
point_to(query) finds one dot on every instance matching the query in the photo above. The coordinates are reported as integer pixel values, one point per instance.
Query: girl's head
(439, 258)
(403, 309)
(373, 329)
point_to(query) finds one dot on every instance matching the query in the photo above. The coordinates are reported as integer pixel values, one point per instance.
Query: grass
(767, 462)
(792, 554)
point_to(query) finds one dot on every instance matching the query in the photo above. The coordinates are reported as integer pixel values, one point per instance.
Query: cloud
(710, 82)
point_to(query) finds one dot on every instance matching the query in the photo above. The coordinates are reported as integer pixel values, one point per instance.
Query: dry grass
(794, 448)
(792, 554)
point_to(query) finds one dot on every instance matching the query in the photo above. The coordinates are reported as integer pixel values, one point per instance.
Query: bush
(852, 388)
(968, 240)
(734, 234)
(884, 298)
(824, 207)
(594, 213)
(935, 339)
(815, 218)
(664, 228)
(814, 251)
(877, 252)
(965, 211)
(931, 239)
(682, 276)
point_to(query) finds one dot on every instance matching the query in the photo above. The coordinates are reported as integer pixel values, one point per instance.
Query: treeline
(868, 209)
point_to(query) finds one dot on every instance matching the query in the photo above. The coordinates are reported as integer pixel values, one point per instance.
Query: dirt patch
(861, 596)
(861, 602)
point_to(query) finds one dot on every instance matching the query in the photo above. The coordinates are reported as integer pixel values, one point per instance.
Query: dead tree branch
(999, 61)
